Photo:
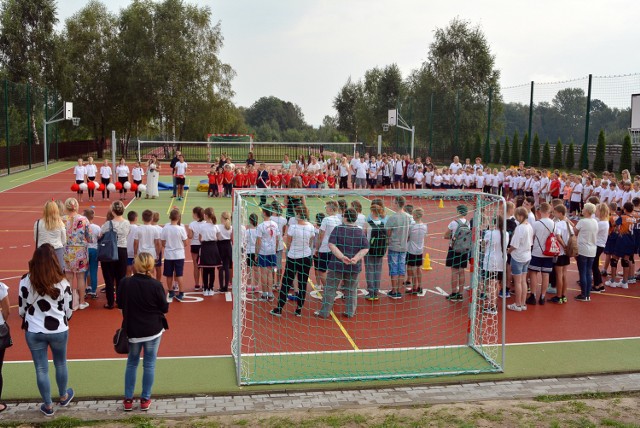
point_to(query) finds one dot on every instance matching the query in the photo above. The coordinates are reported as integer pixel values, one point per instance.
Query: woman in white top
(225, 250)
(45, 304)
(343, 169)
(92, 246)
(299, 259)
(153, 176)
(51, 230)
(455, 165)
(250, 236)
(209, 258)
(5, 310)
(122, 172)
(193, 233)
(80, 173)
(114, 271)
(493, 263)
(587, 232)
(602, 215)
(520, 250)
(105, 178)
(92, 171)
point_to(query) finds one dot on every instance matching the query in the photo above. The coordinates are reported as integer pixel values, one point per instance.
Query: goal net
(421, 302)
(239, 147)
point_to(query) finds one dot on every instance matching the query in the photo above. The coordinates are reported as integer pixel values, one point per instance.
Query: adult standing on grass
(398, 233)
(50, 230)
(587, 233)
(459, 234)
(143, 303)
(76, 253)
(115, 270)
(5, 310)
(44, 302)
(153, 176)
(348, 245)
(173, 163)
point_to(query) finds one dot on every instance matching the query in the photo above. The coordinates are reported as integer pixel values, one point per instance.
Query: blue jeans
(149, 367)
(397, 263)
(38, 344)
(92, 272)
(373, 272)
(585, 265)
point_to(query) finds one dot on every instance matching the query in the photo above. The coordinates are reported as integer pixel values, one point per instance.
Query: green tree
(570, 160)
(487, 152)
(345, 105)
(546, 155)
(584, 156)
(28, 44)
(557, 156)
(526, 149)
(506, 153)
(625, 156)
(497, 153)
(535, 151)
(599, 163)
(515, 149)
(467, 150)
(267, 109)
(477, 147)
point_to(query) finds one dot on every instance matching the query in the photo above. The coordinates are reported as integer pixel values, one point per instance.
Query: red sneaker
(127, 404)
(144, 404)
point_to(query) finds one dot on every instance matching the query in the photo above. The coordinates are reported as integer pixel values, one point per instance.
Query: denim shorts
(267, 260)
(397, 263)
(518, 268)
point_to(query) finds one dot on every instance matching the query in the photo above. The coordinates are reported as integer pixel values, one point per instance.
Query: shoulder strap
(37, 232)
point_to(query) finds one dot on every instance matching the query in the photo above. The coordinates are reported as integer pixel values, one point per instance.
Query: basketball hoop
(385, 127)
(75, 121)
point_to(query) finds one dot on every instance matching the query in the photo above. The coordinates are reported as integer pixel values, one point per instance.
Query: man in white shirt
(174, 240)
(541, 264)
(361, 174)
(355, 160)
(323, 253)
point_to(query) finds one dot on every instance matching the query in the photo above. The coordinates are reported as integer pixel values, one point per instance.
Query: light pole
(65, 113)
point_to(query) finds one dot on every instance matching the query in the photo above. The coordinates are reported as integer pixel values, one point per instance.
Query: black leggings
(106, 182)
(595, 269)
(113, 272)
(138, 194)
(208, 278)
(225, 251)
(123, 180)
(92, 192)
(228, 187)
(344, 182)
(1, 361)
(299, 267)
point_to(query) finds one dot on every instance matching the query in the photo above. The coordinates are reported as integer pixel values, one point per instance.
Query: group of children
(87, 172)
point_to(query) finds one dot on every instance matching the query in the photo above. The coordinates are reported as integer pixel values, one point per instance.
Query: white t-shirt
(130, 238)
(207, 232)
(194, 227)
(94, 232)
(454, 167)
(122, 171)
(105, 172)
(344, 170)
(92, 169)
(4, 292)
(268, 232)
(419, 178)
(398, 168)
(56, 237)
(493, 258)
(328, 224)
(181, 168)
(80, 172)
(361, 220)
(301, 235)
(224, 233)
(361, 170)
(146, 236)
(281, 222)
(354, 165)
(137, 173)
(521, 241)
(562, 231)
(173, 237)
(250, 236)
(587, 237)
(576, 194)
(417, 233)
(437, 180)
(603, 233)
(541, 231)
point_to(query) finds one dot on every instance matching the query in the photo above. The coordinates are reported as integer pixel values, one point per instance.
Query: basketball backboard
(392, 117)
(68, 111)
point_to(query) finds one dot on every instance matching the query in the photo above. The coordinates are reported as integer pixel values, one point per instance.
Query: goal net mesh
(397, 312)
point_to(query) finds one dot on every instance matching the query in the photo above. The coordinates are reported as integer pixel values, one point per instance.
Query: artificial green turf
(187, 376)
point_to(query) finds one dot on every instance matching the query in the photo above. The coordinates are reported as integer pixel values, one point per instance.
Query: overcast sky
(303, 51)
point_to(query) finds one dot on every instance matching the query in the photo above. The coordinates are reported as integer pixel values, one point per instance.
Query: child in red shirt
(219, 182)
(286, 178)
(213, 187)
(275, 179)
(331, 180)
(313, 180)
(322, 179)
(239, 179)
(227, 181)
(305, 180)
(253, 176)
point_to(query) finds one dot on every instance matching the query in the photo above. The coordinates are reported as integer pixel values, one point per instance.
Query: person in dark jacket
(143, 303)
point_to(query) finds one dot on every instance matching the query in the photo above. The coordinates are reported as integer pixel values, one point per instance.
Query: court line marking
(606, 293)
(186, 195)
(337, 321)
(36, 173)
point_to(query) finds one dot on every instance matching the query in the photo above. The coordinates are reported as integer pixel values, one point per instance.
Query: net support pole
(587, 120)
(379, 144)
(413, 138)
(113, 149)
(29, 130)
(528, 154)
(6, 124)
(431, 127)
(236, 290)
(489, 119)
(503, 284)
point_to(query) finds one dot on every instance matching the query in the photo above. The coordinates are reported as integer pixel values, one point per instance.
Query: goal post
(425, 331)
(269, 152)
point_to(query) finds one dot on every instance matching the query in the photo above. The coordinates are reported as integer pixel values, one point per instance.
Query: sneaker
(600, 289)
(66, 401)
(197, 287)
(298, 313)
(372, 297)
(48, 412)
(452, 297)
(611, 283)
(623, 285)
(504, 295)
(395, 295)
(170, 296)
(83, 305)
(514, 307)
(491, 310)
(459, 297)
(631, 280)
(541, 301)
(564, 299)
(317, 314)
(264, 297)
(179, 297)
(552, 290)
(523, 307)
(145, 404)
(531, 300)
(127, 404)
(417, 291)
(276, 312)
(556, 299)
(581, 298)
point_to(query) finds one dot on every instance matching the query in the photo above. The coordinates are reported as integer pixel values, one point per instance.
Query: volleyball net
(398, 315)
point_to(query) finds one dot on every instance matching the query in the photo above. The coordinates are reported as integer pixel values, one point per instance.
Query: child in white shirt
(136, 174)
(80, 173)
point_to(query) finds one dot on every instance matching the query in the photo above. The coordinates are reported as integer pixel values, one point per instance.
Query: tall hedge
(497, 153)
(477, 148)
(557, 156)
(570, 160)
(526, 149)
(584, 156)
(467, 151)
(486, 155)
(535, 151)
(515, 149)
(599, 163)
(625, 156)
(506, 153)
(546, 155)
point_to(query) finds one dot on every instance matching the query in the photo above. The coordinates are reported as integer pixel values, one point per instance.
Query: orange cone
(441, 204)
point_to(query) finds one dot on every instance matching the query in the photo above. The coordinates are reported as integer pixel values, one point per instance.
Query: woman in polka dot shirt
(44, 302)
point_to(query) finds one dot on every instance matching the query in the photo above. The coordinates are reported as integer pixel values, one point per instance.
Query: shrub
(535, 151)
(497, 153)
(557, 156)
(515, 150)
(506, 153)
(625, 156)
(570, 160)
(467, 151)
(525, 155)
(584, 156)
(546, 155)
(601, 149)
(477, 148)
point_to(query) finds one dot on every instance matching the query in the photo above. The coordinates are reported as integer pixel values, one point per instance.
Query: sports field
(601, 336)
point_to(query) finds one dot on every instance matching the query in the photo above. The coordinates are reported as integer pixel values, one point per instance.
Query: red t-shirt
(228, 177)
(332, 181)
(247, 180)
(212, 178)
(321, 178)
(239, 180)
(554, 188)
(313, 180)
(275, 179)
(219, 178)
(253, 178)
(286, 179)
(305, 180)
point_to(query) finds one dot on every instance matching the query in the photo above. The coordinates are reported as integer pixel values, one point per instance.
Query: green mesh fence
(421, 302)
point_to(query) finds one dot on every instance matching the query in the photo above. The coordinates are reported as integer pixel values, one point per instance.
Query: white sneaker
(623, 285)
(514, 307)
(523, 307)
(83, 305)
(631, 281)
(611, 283)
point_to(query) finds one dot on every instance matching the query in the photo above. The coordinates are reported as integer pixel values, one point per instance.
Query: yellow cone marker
(426, 263)
(441, 204)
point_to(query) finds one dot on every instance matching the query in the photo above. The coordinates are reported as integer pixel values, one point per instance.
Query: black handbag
(108, 245)
(5, 336)
(121, 341)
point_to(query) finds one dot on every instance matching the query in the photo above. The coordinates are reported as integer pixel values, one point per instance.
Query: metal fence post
(489, 120)
(29, 131)
(431, 127)
(457, 130)
(528, 154)
(6, 123)
(587, 120)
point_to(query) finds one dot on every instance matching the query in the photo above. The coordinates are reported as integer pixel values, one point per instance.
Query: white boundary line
(27, 182)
